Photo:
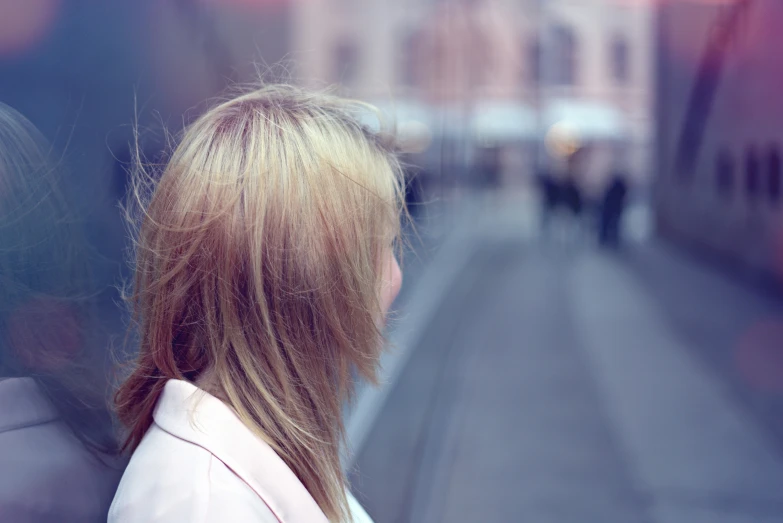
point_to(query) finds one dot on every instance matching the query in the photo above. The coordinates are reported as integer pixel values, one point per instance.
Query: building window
(773, 176)
(620, 60)
(534, 62)
(346, 62)
(410, 58)
(724, 174)
(480, 57)
(751, 173)
(564, 60)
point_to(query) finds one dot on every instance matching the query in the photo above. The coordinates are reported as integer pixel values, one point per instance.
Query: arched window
(346, 62)
(752, 173)
(534, 59)
(724, 174)
(480, 56)
(410, 58)
(620, 56)
(564, 51)
(773, 176)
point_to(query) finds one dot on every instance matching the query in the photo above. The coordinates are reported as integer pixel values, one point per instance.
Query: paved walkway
(553, 384)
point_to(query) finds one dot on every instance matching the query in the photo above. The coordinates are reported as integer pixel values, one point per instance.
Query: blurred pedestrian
(562, 200)
(488, 167)
(549, 194)
(612, 207)
(264, 270)
(571, 198)
(570, 189)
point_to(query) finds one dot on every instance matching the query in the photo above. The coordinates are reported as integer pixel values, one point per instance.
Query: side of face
(391, 281)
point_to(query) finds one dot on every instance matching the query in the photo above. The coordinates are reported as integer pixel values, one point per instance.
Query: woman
(264, 269)
(56, 442)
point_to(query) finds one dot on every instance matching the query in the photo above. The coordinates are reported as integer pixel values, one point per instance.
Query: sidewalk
(551, 386)
(695, 452)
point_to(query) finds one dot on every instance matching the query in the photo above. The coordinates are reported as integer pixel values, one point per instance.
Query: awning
(590, 120)
(398, 113)
(500, 121)
(503, 121)
(485, 121)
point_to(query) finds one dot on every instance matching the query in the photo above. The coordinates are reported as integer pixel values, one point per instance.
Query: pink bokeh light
(759, 355)
(25, 23)
(642, 3)
(777, 252)
(249, 4)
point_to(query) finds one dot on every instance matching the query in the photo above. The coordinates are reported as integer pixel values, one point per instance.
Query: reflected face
(391, 281)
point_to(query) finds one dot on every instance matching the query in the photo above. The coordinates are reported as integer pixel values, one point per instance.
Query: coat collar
(191, 414)
(22, 404)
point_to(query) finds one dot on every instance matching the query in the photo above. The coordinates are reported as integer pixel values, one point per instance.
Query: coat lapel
(195, 416)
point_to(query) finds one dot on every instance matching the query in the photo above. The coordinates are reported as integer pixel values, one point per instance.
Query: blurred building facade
(494, 73)
(460, 75)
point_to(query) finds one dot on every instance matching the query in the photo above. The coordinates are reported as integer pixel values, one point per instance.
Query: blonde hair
(258, 260)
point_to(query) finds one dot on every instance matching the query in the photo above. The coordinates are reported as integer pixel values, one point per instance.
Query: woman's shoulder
(164, 473)
(171, 480)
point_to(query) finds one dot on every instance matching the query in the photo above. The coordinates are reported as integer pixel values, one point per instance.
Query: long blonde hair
(258, 260)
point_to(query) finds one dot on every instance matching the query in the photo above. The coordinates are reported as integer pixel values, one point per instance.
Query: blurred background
(591, 324)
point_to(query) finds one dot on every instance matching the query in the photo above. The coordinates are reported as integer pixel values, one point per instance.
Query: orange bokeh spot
(25, 23)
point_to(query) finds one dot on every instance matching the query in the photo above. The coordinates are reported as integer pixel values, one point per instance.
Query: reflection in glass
(56, 440)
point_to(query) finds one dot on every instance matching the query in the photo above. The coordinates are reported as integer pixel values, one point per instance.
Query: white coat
(199, 463)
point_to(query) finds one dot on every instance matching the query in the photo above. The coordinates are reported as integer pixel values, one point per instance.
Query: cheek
(392, 282)
(396, 278)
